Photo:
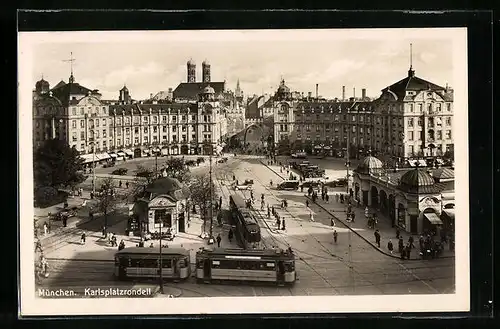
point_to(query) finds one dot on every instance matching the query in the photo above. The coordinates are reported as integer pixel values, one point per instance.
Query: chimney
(316, 91)
(363, 93)
(343, 93)
(309, 94)
(354, 93)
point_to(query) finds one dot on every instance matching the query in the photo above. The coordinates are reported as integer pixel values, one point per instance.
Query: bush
(47, 196)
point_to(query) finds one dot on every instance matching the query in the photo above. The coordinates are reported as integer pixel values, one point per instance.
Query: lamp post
(210, 239)
(156, 161)
(93, 167)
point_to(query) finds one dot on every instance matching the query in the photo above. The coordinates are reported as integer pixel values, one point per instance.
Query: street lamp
(156, 161)
(93, 167)
(210, 238)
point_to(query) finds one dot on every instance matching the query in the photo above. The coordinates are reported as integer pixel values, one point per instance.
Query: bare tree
(106, 199)
(201, 188)
(176, 168)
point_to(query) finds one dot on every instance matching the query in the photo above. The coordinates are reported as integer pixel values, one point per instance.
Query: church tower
(124, 95)
(191, 71)
(205, 66)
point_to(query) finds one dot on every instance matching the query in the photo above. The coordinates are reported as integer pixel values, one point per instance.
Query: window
(136, 120)
(82, 146)
(193, 117)
(419, 108)
(104, 122)
(74, 136)
(73, 123)
(353, 118)
(73, 110)
(410, 122)
(155, 130)
(164, 129)
(336, 117)
(136, 140)
(360, 130)
(317, 127)
(193, 137)
(429, 108)
(145, 130)
(118, 121)
(97, 122)
(174, 118)
(127, 141)
(136, 130)
(163, 218)
(438, 107)
(145, 139)
(448, 121)
(308, 128)
(127, 120)
(353, 129)
(82, 111)
(82, 135)
(431, 122)
(104, 144)
(439, 135)
(410, 106)
(410, 135)
(420, 122)
(184, 128)
(97, 133)
(155, 119)
(336, 129)
(145, 119)
(368, 131)
(127, 131)
(448, 107)
(448, 134)
(184, 138)
(361, 141)
(164, 119)
(104, 133)
(361, 119)
(184, 118)
(82, 123)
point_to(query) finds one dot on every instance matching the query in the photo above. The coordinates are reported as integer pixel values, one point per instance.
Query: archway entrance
(185, 149)
(374, 192)
(392, 209)
(431, 223)
(383, 202)
(174, 150)
(137, 153)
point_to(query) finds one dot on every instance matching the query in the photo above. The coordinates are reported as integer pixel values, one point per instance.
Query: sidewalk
(360, 227)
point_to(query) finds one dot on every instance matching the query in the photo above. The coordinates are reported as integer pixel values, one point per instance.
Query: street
(323, 267)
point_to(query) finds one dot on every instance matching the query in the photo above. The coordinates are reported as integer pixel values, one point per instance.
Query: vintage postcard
(252, 171)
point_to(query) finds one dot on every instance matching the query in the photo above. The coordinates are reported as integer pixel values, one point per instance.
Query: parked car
(200, 159)
(190, 163)
(288, 185)
(312, 184)
(242, 187)
(119, 171)
(222, 160)
(109, 164)
(248, 182)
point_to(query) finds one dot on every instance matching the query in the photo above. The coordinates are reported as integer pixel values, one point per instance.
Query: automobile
(299, 155)
(190, 163)
(312, 184)
(242, 187)
(71, 212)
(119, 171)
(200, 159)
(222, 160)
(288, 185)
(248, 182)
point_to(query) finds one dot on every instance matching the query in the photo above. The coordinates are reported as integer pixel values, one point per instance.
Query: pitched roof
(155, 108)
(411, 82)
(63, 92)
(190, 90)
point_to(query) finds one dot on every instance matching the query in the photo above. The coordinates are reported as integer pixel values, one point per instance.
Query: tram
(140, 262)
(247, 227)
(265, 265)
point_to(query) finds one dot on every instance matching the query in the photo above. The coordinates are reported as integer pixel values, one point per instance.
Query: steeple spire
(71, 60)
(411, 71)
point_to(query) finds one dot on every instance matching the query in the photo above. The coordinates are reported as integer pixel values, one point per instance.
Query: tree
(146, 173)
(176, 167)
(200, 187)
(57, 165)
(106, 199)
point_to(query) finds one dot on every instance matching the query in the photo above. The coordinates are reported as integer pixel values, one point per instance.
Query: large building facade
(77, 115)
(412, 117)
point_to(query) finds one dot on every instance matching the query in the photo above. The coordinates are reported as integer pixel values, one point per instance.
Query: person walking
(283, 225)
(410, 242)
(218, 240)
(390, 247)
(366, 212)
(311, 217)
(327, 197)
(120, 184)
(45, 228)
(377, 238)
(332, 222)
(307, 203)
(122, 245)
(278, 223)
(353, 216)
(408, 251)
(335, 236)
(400, 245)
(397, 233)
(82, 240)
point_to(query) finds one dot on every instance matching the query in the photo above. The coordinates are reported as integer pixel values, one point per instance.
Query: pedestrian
(126, 184)
(218, 240)
(65, 220)
(307, 203)
(122, 245)
(283, 226)
(332, 221)
(366, 212)
(359, 203)
(400, 245)
(104, 231)
(234, 177)
(91, 195)
(120, 184)
(66, 204)
(390, 247)
(45, 228)
(82, 241)
(335, 235)
(408, 251)
(278, 223)
(377, 238)
(113, 241)
(311, 217)
(301, 188)
(397, 233)
(353, 215)
(410, 242)
(421, 242)
(341, 198)
(220, 202)
(327, 197)
(230, 235)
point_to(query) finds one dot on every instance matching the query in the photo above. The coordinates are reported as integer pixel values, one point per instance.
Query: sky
(149, 62)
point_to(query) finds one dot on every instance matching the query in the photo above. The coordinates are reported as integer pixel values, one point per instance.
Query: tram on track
(239, 265)
(247, 227)
(140, 262)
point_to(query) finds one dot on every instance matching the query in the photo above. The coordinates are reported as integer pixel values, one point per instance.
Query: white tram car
(140, 262)
(266, 265)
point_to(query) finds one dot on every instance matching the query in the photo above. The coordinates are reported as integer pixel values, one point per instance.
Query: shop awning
(157, 149)
(450, 213)
(327, 147)
(317, 146)
(433, 218)
(103, 156)
(146, 151)
(121, 153)
(129, 152)
(120, 158)
(164, 151)
(113, 155)
(422, 163)
(88, 158)
(412, 163)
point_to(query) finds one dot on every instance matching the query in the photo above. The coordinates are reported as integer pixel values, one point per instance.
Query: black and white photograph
(243, 171)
